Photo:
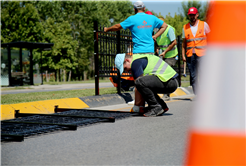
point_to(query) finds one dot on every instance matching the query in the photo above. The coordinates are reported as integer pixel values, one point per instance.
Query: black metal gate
(107, 45)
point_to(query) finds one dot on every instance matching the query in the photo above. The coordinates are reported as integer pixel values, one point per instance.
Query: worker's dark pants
(171, 62)
(149, 87)
(193, 64)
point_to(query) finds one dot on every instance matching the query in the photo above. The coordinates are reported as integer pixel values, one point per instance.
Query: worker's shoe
(154, 111)
(166, 109)
(163, 105)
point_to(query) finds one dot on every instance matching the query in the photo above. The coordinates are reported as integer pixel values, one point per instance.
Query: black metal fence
(107, 45)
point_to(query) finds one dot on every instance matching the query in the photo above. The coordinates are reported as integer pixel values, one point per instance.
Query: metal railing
(107, 45)
(31, 124)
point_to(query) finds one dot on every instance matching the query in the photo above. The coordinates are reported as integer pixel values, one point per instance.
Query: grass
(75, 82)
(51, 83)
(185, 81)
(39, 96)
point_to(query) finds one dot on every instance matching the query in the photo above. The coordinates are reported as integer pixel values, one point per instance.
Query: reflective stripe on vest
(196, 39)
(198, 42)
(163, 42)
(198, 47)
(156, 66)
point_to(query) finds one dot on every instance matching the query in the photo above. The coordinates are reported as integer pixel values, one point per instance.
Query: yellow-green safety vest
(156, 66)
(163, 42)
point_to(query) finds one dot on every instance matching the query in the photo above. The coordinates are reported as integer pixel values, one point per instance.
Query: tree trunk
(64, 75)
(78, 74)
(60, 75)
(85, 75)
(57, 75)
(69, 77)
(46, 76)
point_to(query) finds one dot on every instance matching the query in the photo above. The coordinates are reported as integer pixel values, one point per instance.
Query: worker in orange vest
(194, 43)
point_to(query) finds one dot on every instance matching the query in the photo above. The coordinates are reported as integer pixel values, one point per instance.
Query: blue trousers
(193, 65)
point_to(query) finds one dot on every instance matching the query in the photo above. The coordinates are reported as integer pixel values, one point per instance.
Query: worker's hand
(162, 55)
(105, 29)
(184, 59)
(154, 38)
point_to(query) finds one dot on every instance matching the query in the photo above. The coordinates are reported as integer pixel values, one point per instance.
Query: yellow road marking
(46, 107)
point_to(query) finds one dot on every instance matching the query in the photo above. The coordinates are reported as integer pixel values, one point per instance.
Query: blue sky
(163, 6)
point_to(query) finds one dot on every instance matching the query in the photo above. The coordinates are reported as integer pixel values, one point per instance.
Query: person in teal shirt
(141, 26)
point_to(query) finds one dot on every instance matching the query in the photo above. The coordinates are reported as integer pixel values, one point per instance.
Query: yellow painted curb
(46, 107)
(178, 92)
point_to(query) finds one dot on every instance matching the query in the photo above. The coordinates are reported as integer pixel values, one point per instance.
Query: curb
(48, 106)
(182, 91)
(108, 99)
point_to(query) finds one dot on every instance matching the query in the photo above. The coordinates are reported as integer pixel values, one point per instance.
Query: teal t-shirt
(142, 25)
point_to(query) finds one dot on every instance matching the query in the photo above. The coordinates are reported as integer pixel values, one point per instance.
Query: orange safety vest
(199, 42)
(126, 78)
(115, 74)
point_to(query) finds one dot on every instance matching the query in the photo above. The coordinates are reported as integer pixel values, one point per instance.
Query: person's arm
(170, 47)
(139, 103)
(161, 30)
(171, 36)
(115, 27)
(137, 71)
(184, 43)
(139, 100)
(156, 49)
(206, 28)
(183, 50)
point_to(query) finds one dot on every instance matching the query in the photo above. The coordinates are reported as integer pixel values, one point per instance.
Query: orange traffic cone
(217, 134)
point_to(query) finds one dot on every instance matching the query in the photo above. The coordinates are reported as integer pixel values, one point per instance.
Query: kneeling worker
(151, 75)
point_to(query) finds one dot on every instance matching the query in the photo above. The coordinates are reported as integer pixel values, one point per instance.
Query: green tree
(62, 55)
(20, 22)
(67, 24)
(177, 22)
(201, 9)
(81, 15)
(48, 9)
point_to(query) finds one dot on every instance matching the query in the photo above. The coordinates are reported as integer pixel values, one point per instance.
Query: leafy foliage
(177, 22)
(188, 4)
(69, 25)
(181, 19)
(20, 22)
(62, 55)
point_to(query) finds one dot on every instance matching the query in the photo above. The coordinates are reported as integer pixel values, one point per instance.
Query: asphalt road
(132, 141)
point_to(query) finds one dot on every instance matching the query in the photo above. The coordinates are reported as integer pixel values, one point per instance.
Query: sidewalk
(43, 88)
